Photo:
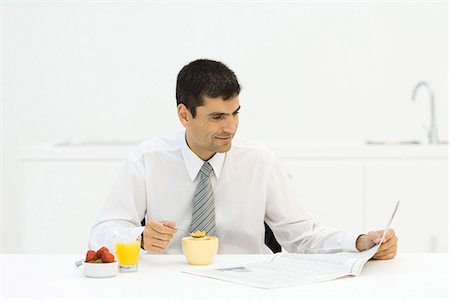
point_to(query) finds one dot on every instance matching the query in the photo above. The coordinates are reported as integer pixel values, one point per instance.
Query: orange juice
(128, 253)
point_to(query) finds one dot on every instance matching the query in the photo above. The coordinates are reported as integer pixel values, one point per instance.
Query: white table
(408, 276)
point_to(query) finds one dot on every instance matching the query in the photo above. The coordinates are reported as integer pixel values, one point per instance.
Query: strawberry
(91, 255)
(101, 250)
(107, 257)
(97, 261)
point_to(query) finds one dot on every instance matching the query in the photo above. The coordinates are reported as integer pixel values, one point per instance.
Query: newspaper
(288, 269)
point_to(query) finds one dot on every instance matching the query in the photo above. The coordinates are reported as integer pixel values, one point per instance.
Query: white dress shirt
(250, 186)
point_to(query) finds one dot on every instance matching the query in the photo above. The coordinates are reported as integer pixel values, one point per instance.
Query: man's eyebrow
(216, 114)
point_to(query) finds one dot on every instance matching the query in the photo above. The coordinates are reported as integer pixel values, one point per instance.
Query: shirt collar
(194, 163)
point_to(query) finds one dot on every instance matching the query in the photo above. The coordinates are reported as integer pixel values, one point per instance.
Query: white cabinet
(333, 191)
(63, 198)
(421, 186)
(352, 188)
(359, 195)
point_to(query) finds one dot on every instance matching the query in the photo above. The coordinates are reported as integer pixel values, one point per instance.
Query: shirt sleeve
(293, 226)
(124, 208)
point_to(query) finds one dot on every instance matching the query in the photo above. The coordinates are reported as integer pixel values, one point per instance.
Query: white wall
(342, 71)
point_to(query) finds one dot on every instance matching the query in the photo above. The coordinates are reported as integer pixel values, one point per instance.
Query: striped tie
(203, 214)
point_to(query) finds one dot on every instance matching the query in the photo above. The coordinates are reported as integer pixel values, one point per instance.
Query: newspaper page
(288, 269)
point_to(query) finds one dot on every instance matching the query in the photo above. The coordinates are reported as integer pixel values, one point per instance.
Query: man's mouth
(224, 137)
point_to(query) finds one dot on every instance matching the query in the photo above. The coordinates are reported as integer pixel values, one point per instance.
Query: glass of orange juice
(127, 252)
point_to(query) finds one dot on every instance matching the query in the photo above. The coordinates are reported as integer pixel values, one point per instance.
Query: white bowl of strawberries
(100, 263)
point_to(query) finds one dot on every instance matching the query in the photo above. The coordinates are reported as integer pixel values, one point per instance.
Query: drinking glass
(127, 252)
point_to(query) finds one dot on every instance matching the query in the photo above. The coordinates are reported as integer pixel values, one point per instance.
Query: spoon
(79, 262)
(198, 234)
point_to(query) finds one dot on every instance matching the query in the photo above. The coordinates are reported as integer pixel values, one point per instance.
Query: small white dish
(100, 270)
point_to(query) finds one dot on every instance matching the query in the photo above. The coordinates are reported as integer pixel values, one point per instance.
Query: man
(204, 179)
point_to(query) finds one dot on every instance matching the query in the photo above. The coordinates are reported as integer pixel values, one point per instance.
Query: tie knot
(206, 169)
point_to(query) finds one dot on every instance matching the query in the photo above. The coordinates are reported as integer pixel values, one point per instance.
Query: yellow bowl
(200, 251)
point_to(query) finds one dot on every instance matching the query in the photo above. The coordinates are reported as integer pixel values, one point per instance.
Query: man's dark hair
(205, 77)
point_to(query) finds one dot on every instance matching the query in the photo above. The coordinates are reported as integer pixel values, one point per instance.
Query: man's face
(214, 126)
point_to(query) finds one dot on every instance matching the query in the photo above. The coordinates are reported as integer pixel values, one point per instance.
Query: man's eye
(217, 117)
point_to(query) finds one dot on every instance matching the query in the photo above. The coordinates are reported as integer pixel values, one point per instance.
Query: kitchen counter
(118, 150)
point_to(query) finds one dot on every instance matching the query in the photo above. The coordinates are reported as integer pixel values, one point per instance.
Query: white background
(106, 70)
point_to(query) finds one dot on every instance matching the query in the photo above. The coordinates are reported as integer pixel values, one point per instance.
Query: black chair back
(270, 240)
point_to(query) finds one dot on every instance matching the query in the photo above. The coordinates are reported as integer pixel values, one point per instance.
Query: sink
(405, 142)
(394, 143)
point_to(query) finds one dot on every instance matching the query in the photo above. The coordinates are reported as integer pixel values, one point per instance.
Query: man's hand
(157, 235)
(388, 248)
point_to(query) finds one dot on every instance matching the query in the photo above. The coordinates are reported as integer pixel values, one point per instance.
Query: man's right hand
(157, 235)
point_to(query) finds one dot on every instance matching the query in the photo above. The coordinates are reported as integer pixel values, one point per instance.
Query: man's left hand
(388, 247)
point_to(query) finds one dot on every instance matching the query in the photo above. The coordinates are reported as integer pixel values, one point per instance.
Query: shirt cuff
(349, 242)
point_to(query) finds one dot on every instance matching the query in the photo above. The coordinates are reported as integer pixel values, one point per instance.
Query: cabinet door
(332, 190)
(62, 201)
(421, 186)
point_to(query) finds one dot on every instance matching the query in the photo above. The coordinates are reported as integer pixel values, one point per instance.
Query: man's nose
(230, 125)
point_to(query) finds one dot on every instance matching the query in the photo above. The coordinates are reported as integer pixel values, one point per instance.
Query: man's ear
(184, 115)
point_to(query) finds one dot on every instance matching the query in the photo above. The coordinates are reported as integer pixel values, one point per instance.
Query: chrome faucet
(432, 130)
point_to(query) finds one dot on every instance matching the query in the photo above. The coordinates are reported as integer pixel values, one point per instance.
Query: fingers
(157, 235)
(163, 227)
(389, 235)
(154, 245)
(367, 241)
(387, 253)
(375, 236)
(388, 248)
(171, 224)
(388, 243)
